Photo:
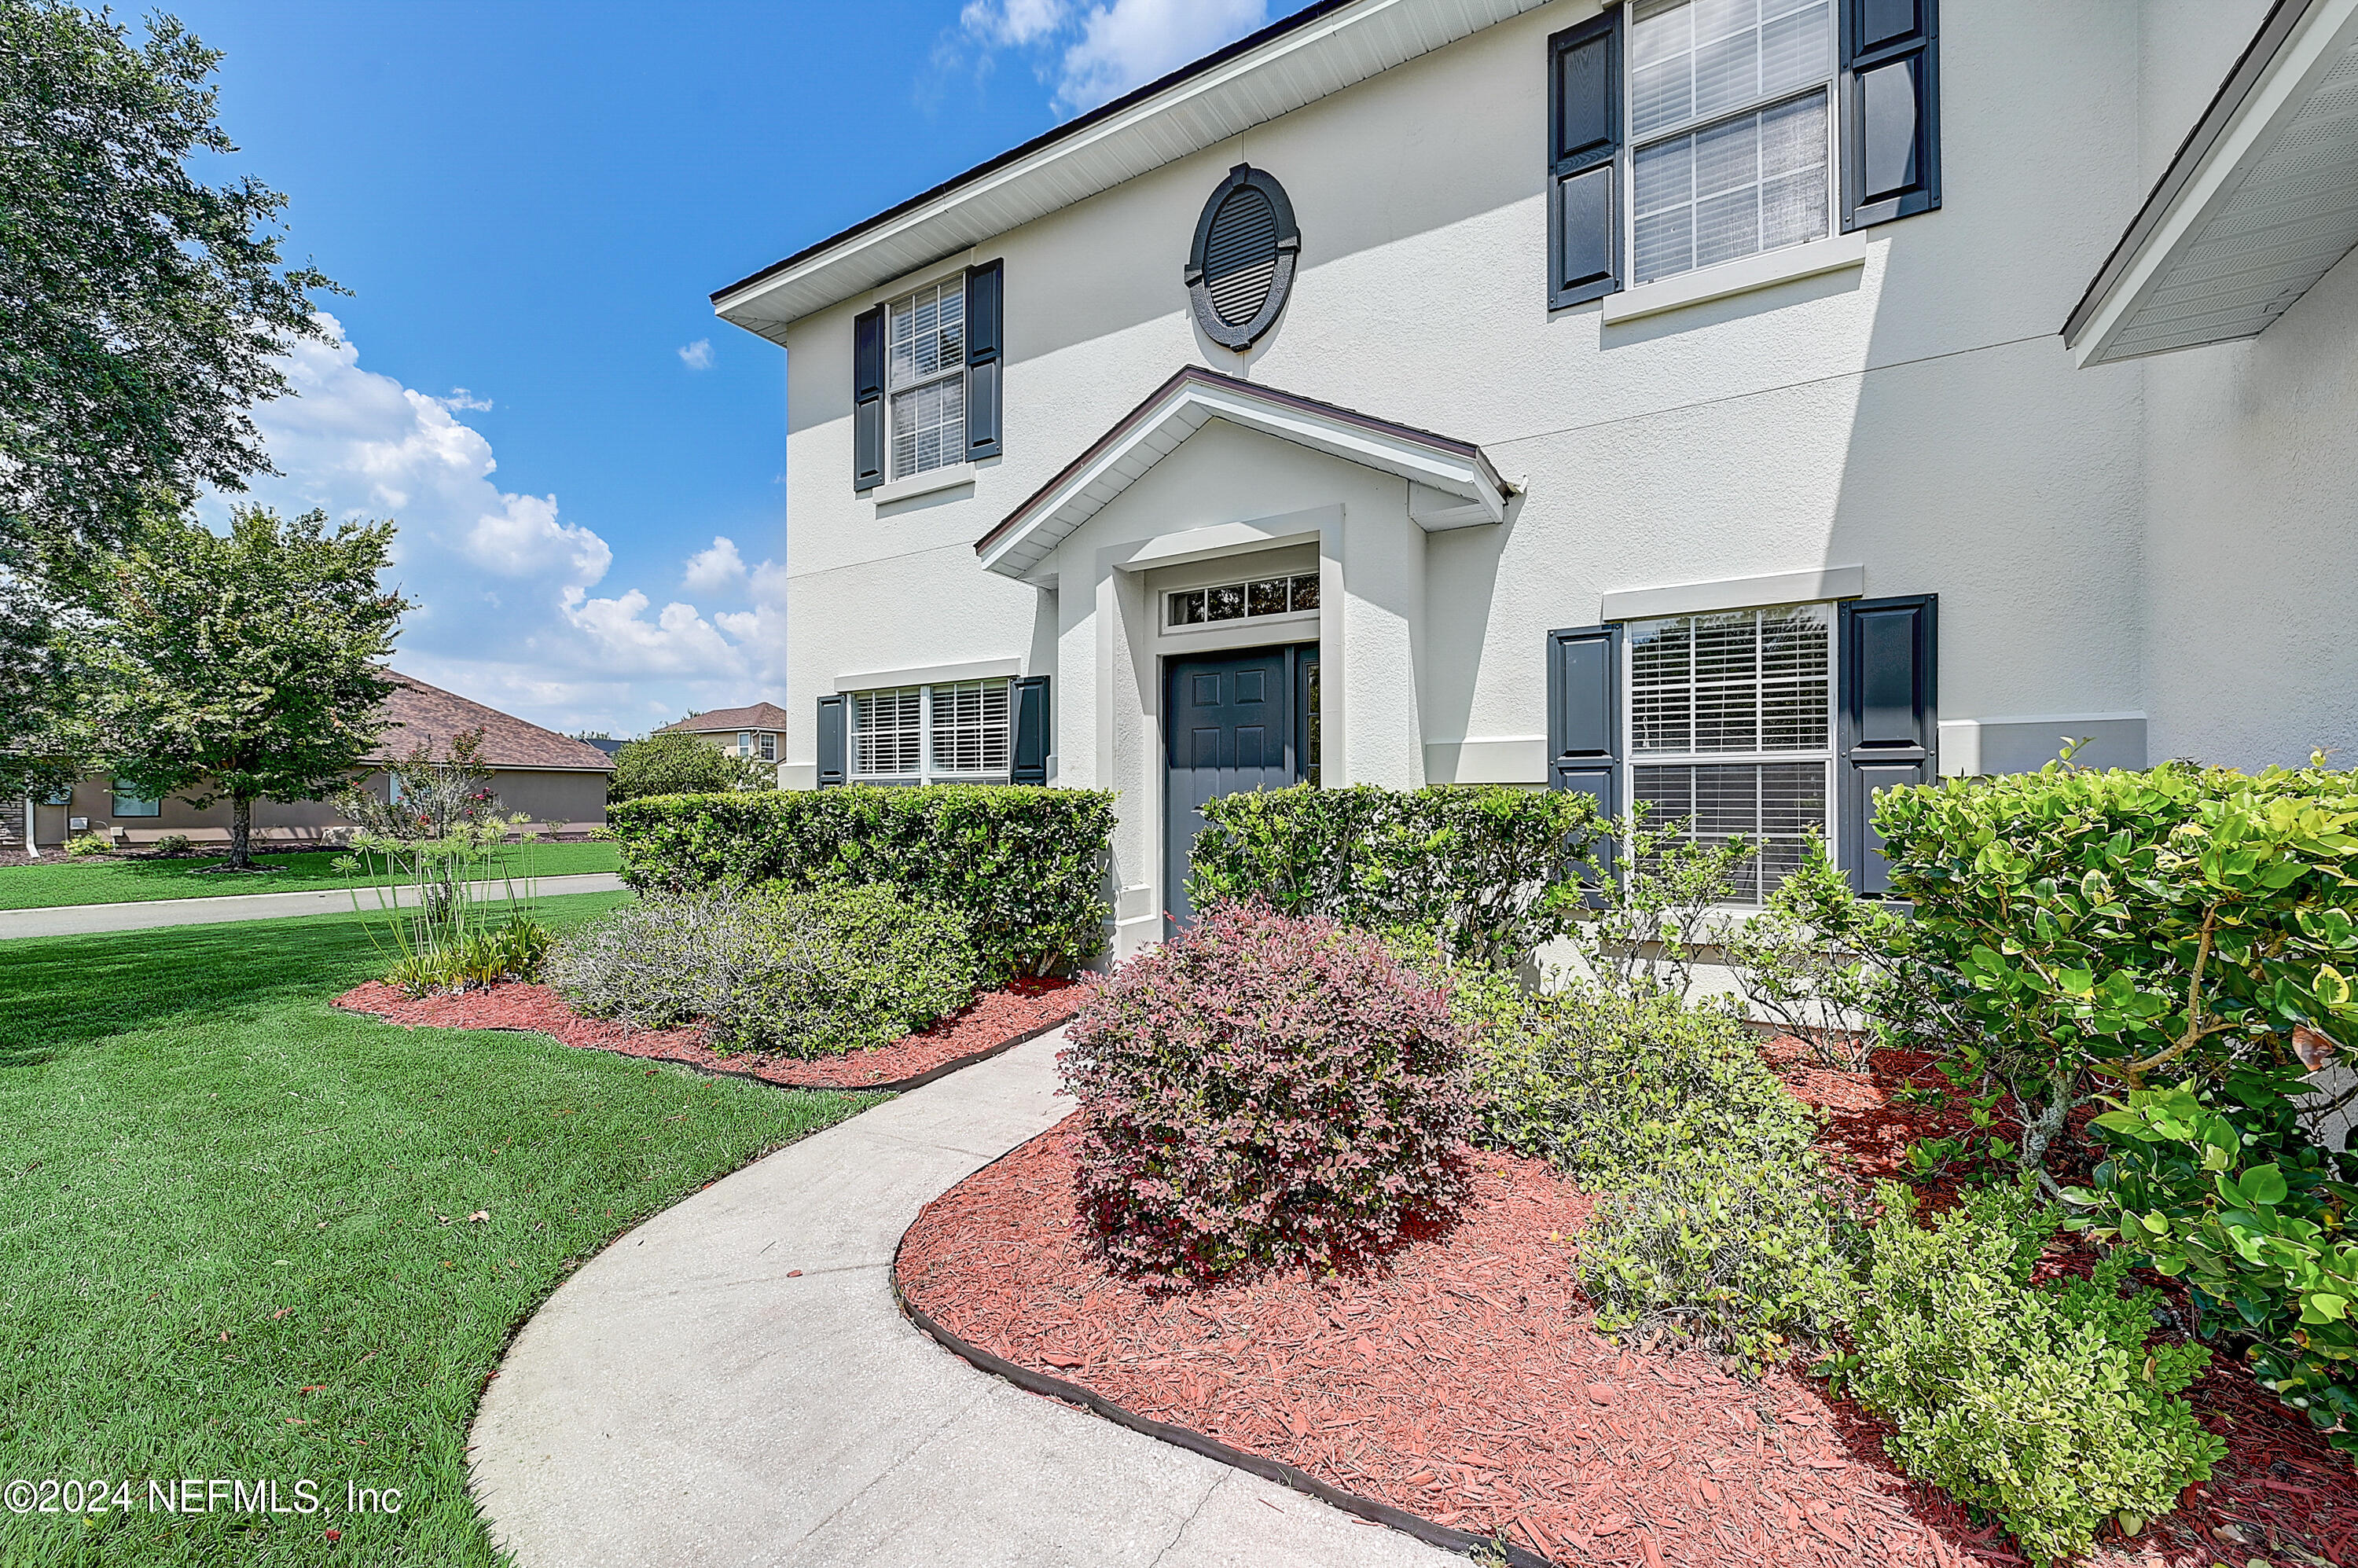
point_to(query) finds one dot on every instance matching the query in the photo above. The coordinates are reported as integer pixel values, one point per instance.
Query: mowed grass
(246, 1238)
(56, 882)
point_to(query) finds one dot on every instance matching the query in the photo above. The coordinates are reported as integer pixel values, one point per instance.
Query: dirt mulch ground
(1463, 1381)
(994, 1021)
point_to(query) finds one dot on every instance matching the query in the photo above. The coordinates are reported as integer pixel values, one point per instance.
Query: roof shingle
(427, 715)
(760, 716)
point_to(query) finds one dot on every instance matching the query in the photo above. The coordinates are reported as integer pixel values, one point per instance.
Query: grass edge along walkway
(248, 1238)
(55, 883)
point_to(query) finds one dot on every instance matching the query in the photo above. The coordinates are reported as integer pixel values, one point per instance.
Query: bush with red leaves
(1263, 1090)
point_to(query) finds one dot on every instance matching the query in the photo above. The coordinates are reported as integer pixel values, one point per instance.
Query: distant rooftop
(429, 716)
(760, 716)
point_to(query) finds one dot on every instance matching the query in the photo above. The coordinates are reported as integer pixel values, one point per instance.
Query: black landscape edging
(895, 1086)
(1441, 1535)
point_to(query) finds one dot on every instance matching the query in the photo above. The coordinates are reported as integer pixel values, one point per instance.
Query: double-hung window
(960, 731)
(1686, 133)
(924, 378)
(1731, 731)
(1731, 128)
(136, 804)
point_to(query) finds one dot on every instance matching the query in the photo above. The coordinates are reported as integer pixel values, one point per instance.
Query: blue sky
(530, 204)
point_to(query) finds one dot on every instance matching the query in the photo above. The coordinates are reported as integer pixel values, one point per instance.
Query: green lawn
(56, 880)
(237, 1238)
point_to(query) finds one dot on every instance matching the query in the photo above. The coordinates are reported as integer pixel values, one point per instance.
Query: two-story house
(1731, 404)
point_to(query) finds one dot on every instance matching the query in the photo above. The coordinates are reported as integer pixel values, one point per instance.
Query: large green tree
(676, 763)
(143, 310)
(243, 666)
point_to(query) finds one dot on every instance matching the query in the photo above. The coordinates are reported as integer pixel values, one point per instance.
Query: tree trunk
(241, 833)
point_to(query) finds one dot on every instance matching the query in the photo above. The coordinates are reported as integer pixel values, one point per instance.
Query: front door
(1231, 721)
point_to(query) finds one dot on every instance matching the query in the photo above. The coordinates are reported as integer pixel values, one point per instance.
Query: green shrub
(86, 844)
(1264, 1090)
(1025, 867)
(514, 951)
(2044, 1407)
(808, 973)
(1750, 1257)
(1603, 1084)
(1489, 871)
(174, 844)
(676, 763)
(2226, 1190)
(2099, 928)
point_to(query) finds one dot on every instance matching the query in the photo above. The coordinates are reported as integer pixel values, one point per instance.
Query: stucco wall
(1916, 416)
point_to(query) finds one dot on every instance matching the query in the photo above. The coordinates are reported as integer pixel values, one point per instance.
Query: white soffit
(2261, 202)
(1455, 482)
(1195, 107)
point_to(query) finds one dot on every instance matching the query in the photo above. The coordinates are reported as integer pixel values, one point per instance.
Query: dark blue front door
(1232, 721)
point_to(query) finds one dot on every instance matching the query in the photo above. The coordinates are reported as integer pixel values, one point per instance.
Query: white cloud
(696, 355)
(1015, 22)
(461, 401)
(502, 581)
(712, 571)
(1130, 42)
(1099, 52)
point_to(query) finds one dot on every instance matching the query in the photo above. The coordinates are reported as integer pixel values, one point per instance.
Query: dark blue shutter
(1891, 109)
(1583, 149)
(1034, 735)
(1584, 681)
(1890, 730)
(868, 400)
(985, 329)
(833, 742)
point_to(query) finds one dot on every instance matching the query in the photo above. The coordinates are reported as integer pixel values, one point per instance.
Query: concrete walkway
(73, 920)
(731, 1384)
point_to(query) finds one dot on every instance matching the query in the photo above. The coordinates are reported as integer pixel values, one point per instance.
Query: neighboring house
(1732, 405)
(558, 783)
(756, 731)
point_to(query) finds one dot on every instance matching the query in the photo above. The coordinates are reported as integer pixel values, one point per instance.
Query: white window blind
(1730, 113)
(1731, 729)
(926, 374)
(921, 734)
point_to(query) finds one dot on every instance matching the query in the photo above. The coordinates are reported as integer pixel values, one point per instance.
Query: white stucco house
(1736, 404)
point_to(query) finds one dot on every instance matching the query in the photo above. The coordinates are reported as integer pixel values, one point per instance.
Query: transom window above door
(1252, 599)
(1731, 730)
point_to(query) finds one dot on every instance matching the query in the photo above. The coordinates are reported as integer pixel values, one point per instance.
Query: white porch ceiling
(1196, 107)
(2262, 201)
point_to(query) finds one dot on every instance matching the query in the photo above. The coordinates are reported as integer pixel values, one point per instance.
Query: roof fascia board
(2297, 44)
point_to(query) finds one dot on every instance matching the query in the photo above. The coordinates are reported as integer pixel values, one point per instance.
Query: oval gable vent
(1242, 262)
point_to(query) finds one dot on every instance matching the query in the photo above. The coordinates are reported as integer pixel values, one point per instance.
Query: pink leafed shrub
(1264, 1090)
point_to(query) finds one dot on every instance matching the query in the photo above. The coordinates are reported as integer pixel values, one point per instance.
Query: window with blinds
(1730, 109)
(927, 734)
(924, 378)
(1731, 729)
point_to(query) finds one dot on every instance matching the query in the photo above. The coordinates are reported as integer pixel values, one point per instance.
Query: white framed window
(769, 746)
(1258, 599)
(1731, 111)
(136, 805)
(924, 378)
(744, 742)
(1731, 730)
(960, 731)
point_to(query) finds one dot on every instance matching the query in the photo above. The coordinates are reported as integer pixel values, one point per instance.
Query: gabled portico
(1304, 527)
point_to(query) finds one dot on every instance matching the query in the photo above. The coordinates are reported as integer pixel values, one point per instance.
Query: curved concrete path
(76, 919)
(732, 1384)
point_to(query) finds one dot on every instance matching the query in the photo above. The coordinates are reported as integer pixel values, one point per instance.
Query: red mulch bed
(995, 1021)
(1461, 1379)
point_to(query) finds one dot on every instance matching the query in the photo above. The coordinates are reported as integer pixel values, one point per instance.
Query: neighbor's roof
(1319, 49)
(760, 716)
(2259, 203)
(429, 716)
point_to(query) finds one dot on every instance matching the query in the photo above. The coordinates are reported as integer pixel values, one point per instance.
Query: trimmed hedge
(1025, 866)
(1489, 871)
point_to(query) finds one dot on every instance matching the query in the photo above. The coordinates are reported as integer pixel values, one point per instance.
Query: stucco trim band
(1734, 593)
(1763, 271)
(928, 675)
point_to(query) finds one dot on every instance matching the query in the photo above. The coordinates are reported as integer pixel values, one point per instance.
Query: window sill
(1729, 278)
(925, 483)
